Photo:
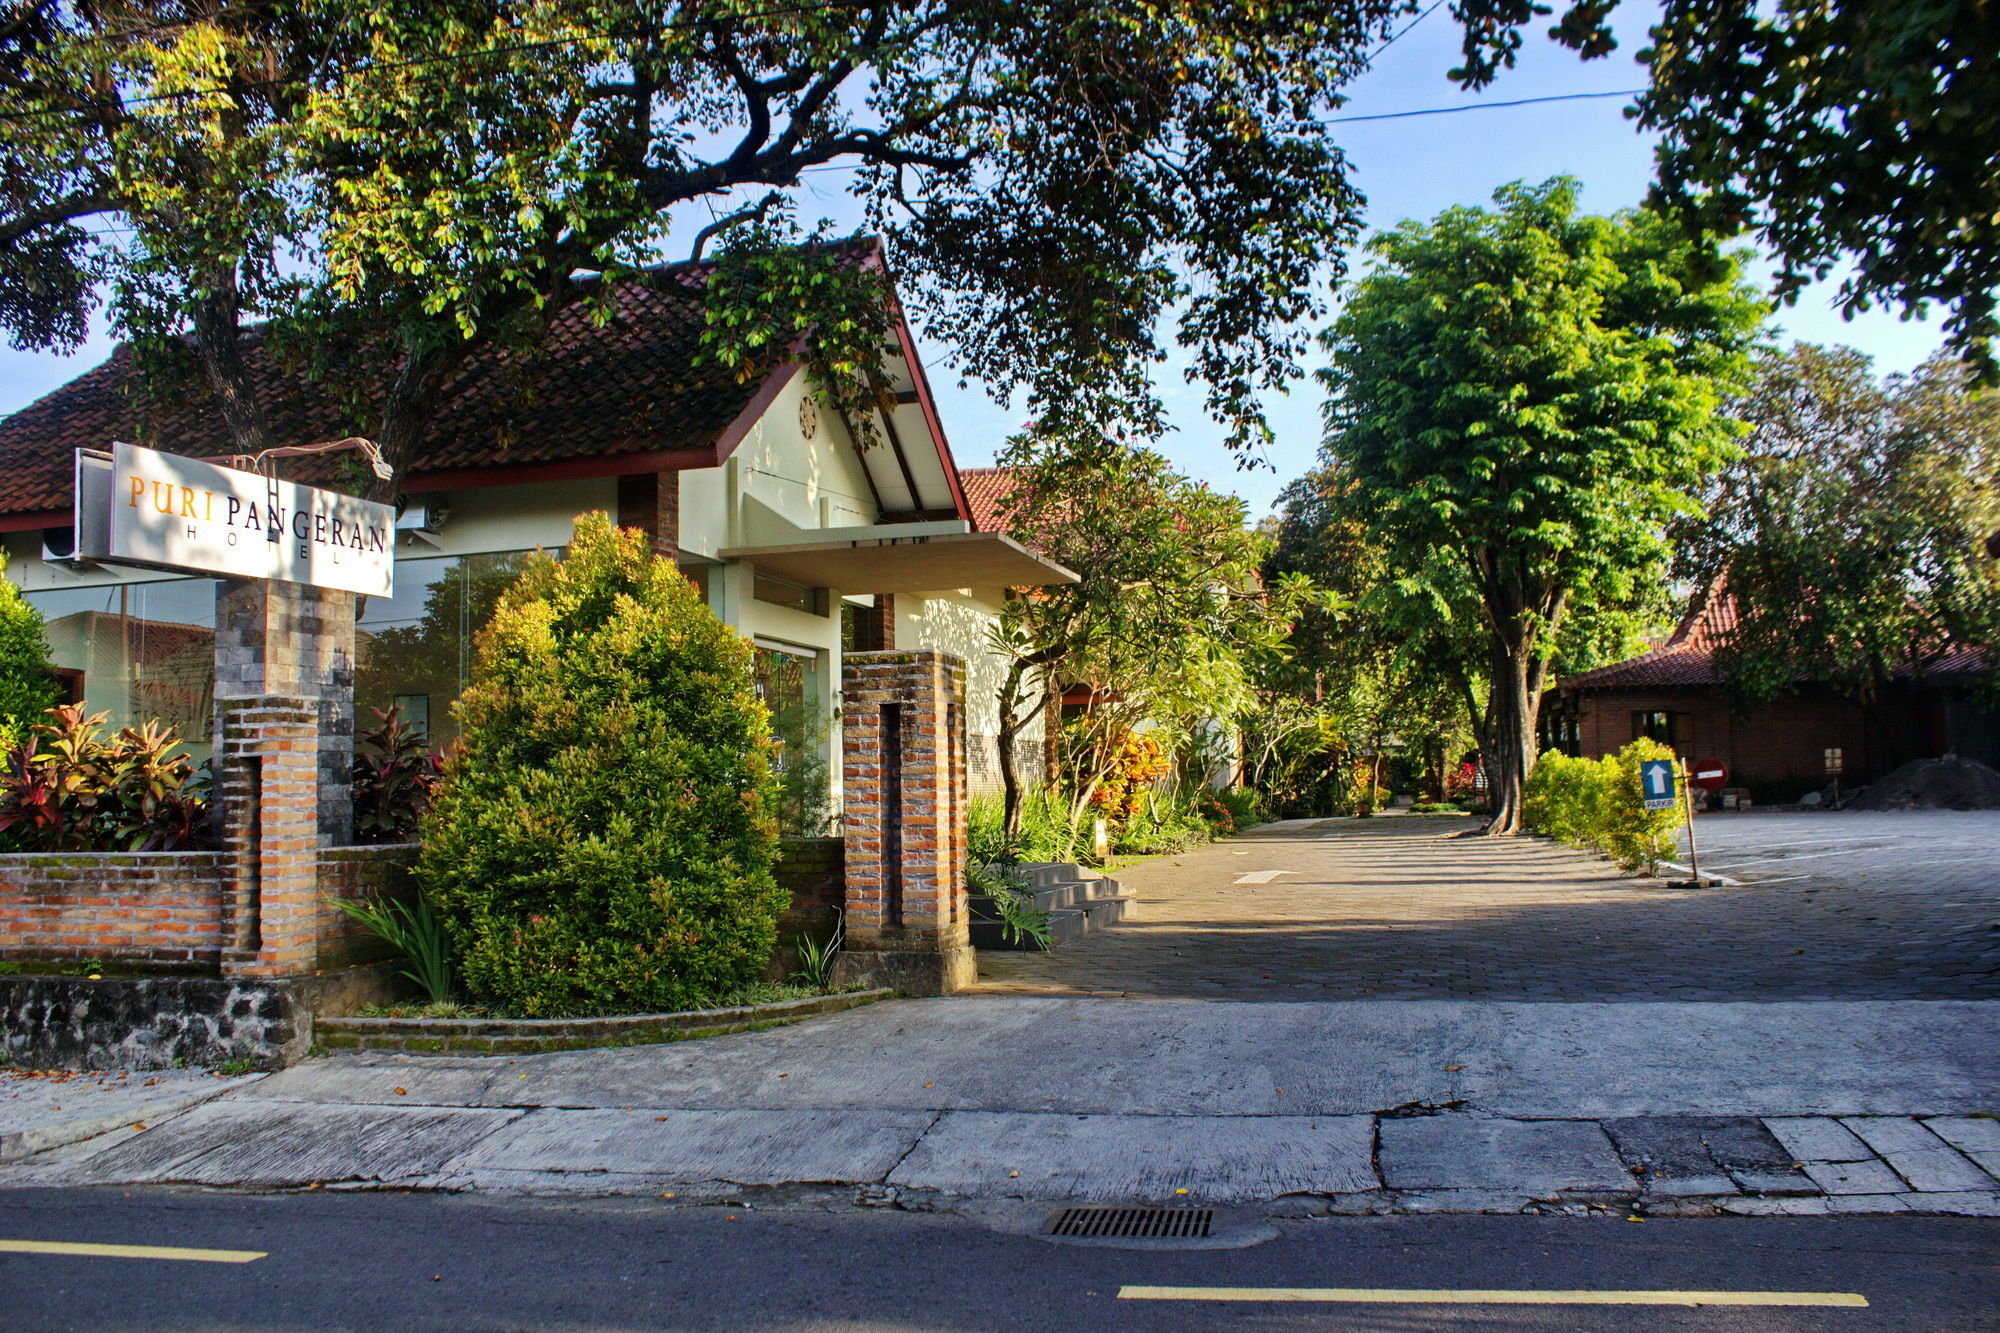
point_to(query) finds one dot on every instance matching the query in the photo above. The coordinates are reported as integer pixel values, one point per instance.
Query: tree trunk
(218, 342)
(1509, 752)
(1012, 723)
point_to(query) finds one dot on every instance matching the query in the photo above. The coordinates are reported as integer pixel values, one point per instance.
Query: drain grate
(1141, 1223)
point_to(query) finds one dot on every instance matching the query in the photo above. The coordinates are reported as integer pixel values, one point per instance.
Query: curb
(515, 1036)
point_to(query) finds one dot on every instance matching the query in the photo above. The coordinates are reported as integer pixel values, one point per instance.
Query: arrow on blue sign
(1658, 775)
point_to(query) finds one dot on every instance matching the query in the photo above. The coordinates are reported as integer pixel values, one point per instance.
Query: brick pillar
(651, 502)
(878, 624)
(267, 772)
(902, 717)
(295, 642)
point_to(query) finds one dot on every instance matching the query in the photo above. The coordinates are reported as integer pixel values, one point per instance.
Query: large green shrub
(27, 685)
(1597, 803)
(603, 838)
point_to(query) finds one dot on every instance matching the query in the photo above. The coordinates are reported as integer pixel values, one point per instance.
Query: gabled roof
(985, 488)
(628, 395)
(1686, 659)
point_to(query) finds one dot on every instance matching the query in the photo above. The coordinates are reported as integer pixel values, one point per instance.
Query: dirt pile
(1950, 783)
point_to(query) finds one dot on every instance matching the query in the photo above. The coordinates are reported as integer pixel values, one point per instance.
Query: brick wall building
(1676, 693)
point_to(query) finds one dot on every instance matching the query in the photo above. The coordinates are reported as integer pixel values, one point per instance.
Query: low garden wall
(161, 909)
(814, 871)
(359, 872)
(166, 911)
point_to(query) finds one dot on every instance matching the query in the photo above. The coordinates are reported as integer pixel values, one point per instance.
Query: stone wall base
(161, 1022)
(908, 971)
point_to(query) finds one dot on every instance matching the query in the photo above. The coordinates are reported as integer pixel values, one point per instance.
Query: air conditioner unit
(423, 520)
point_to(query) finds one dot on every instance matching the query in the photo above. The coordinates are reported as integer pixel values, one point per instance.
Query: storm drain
(1133, 1223)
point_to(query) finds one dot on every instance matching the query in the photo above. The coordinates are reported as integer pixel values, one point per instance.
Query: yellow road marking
(1420, 1296)
(130, 1251)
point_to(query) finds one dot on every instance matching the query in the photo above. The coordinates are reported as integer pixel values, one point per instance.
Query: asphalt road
(391, 1261)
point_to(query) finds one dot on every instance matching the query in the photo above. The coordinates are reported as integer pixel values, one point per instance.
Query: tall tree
(397, 184)
(1847, 132)
(1850, 532)
(1532, 393)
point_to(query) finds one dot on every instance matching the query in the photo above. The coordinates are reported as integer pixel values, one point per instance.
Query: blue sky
(1408, 168)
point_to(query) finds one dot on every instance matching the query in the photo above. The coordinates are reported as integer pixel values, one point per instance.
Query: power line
(1405, 31)
(1481, 106)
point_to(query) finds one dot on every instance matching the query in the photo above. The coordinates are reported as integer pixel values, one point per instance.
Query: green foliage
(1848, 132)
(1245, 806)
(1532, 393)
(27, 682)
(816, 958)
(1850, 532)
(403, 182)
(395, 776)
(603, 839)
(1167, 620)
(1598, 803)
(413, 930)
(1012, 903)
(1172, 819)
(67, 788)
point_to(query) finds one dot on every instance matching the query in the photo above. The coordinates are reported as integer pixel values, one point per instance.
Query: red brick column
(651, 502)
(902, 722)
(268, 785)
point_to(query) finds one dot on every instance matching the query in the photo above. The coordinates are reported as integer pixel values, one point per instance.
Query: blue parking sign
(1658, 786)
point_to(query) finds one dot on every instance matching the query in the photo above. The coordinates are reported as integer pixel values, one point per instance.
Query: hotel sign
(142, 507)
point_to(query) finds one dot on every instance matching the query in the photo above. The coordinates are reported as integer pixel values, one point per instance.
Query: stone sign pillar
(284, 755)
(903, 744)
(274, 638)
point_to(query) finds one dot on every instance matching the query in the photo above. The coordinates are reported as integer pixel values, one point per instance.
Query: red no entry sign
(1709, 775)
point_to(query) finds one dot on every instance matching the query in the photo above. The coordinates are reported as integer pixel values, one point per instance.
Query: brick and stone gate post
(903, 743)
(284, 756)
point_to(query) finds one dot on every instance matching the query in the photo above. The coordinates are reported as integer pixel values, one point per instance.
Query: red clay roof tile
(630, 385)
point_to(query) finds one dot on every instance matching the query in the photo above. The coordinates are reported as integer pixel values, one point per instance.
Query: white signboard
(182, 513)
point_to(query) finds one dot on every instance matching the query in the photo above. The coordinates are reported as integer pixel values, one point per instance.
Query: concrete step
(1075, 893)
(1065, 925)
(1055, 872)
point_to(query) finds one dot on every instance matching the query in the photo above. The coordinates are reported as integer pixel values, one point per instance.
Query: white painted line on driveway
(1446, 1296)
(1723, 880)
(130, 1251)
(1263, 876)
(1809, 856)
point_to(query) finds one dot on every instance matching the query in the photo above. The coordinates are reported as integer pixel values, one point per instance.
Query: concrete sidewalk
(47, 1108)
(1358, 1107)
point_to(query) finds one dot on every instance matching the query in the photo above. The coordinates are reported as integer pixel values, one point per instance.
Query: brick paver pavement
(1398, 908)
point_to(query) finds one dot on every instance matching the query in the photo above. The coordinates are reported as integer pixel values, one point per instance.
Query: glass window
(138, 651)
(788, 681)
(778, 592)
(1654, 726)
(416, 648)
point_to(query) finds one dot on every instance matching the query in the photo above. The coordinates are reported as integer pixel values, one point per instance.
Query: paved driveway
(1825, 906)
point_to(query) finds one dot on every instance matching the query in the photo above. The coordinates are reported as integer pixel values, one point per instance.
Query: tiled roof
(632, 385)
(1686, 658)
(985, 488)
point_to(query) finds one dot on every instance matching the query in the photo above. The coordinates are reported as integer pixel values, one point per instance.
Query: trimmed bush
(603, 840)
(27, 684)
(1597, 803)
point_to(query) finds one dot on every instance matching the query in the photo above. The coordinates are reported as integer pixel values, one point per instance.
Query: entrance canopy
(906, 564)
